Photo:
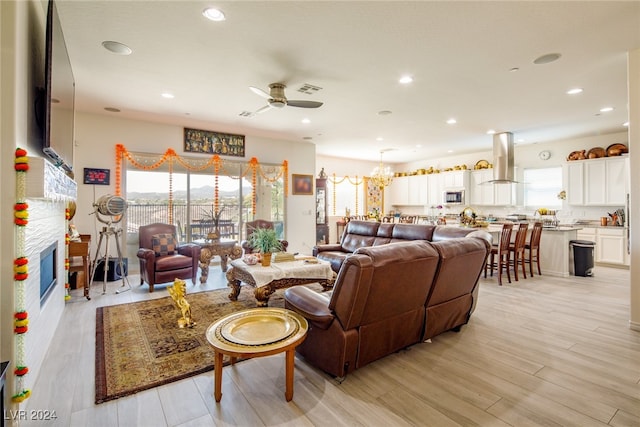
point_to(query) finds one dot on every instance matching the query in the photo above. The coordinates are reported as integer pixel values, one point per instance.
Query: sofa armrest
(312, 305)
(327, 247)
(146, 254)
(189, 249)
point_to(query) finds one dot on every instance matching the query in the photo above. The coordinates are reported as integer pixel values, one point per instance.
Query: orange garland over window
(218, 165)
(336, 181)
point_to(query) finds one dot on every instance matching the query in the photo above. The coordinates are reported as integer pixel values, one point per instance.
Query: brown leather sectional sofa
(358, 234)
(390, 296)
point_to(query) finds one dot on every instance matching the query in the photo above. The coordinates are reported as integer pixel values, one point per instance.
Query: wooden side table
(224, 248)
(257, 332)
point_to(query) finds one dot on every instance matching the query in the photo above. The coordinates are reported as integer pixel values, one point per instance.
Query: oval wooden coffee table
(257, 332)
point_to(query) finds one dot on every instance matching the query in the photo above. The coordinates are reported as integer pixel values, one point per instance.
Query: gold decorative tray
(258, 327)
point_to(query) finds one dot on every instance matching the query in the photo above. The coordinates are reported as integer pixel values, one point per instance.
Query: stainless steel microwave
(453, 197)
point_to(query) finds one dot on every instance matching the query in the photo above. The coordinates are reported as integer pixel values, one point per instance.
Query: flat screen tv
(59, 118)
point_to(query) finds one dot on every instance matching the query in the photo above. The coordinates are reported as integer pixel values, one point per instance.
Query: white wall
(634, 140)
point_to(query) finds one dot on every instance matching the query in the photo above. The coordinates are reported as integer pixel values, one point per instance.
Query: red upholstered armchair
(259, 223)
(162, 258)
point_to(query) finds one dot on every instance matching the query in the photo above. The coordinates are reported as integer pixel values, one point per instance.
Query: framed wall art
(210, 142)
(302, 184)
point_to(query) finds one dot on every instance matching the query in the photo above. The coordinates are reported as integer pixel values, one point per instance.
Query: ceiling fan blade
(261, 110)
(304, 104)
(260, 92)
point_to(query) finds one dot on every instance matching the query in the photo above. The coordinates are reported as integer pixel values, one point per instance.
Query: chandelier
(381, 175)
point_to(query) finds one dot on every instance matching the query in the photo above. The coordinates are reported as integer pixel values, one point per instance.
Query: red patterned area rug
(139, 345)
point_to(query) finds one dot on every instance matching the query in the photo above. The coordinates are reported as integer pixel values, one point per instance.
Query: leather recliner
(162, 264)
(376, 308)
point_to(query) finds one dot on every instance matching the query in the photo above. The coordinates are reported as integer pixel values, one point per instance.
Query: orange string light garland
(170, 155)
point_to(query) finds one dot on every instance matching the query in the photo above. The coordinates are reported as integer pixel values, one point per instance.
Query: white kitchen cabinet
(418, 188)
(575, 182)
(481, 194)
(617, 178)
(611, 244)
(398, 191)
(434, 189)
(455, 179)
(597, 182)
(489, 194)
(408, 190)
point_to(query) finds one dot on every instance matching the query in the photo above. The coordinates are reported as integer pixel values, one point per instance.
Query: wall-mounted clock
(544, 155)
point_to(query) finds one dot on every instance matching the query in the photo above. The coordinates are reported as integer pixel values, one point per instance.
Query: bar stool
(533, 248)
(502, 251)
(517, 249)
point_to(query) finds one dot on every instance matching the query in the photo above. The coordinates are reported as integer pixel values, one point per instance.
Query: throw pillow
(163, 244)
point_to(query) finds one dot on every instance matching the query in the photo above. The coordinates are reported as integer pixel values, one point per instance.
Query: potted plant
(266, 241)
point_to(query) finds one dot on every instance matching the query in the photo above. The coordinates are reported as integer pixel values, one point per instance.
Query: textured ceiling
(459, 53)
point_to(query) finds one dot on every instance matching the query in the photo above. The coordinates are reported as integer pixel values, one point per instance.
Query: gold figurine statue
(178, 291)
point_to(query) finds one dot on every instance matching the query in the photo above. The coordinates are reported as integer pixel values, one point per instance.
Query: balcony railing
(190, 224)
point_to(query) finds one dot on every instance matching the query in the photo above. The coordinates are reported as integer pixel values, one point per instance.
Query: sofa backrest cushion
(393, 314)
(359, 234)
(461, 262)
(402, 278)
(447, 232)
(378, 282)
(412, 232)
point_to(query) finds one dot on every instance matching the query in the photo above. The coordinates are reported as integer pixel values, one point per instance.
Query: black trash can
(583, 257)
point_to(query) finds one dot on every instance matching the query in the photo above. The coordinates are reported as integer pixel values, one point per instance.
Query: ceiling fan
(277, 99)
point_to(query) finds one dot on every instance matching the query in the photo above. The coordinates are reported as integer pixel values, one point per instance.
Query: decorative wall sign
(209, 142)
(302, 184)
(96, 176)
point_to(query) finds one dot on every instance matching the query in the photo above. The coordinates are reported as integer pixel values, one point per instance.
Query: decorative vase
(266, 259)
(214, 235)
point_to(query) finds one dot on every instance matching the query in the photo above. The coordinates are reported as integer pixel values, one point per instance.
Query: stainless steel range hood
(503, 165)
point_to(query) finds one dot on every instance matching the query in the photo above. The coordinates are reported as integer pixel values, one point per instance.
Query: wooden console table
(224, 248)
(79, 261)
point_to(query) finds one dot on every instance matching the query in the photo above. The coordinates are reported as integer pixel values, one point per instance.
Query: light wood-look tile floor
(542, 351)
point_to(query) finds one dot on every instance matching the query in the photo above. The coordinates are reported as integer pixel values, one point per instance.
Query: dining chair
(501, 251)
(533, 248)
(516, 250)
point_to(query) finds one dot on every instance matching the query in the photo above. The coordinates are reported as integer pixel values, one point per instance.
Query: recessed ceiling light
(625, 124)
(491, 132)
(606, 109)
(452, 121)
(117, 47)
(514, 70)
(307, 138)
(545, 59)
(379, 138)
(449, 151)
(305, 121)
(384, 113)
(214, 14)
(418, 145)
(405, 80)
(574, 91)
(112, 109)
(168, 95)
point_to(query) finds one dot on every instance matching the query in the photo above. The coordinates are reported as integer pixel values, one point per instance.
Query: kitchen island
(555, 252)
